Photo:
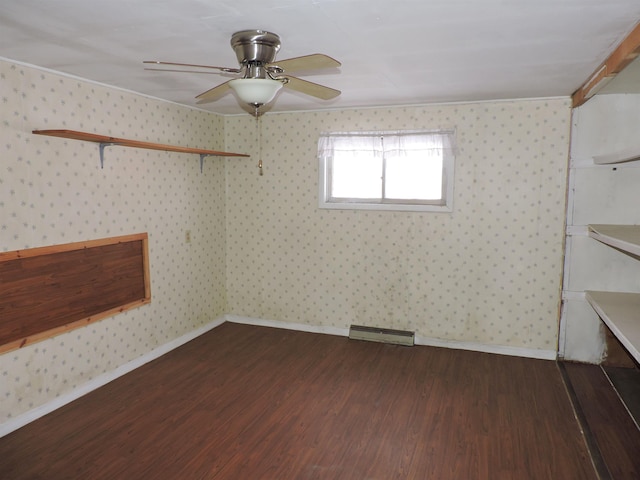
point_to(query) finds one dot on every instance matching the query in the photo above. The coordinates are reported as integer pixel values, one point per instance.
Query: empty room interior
(320, 239)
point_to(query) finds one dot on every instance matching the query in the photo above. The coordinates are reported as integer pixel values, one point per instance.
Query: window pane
(356, 176)
(412, 169)
(414, 176)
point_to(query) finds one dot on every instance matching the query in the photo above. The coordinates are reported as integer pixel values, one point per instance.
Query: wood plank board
(620, 311)
(623, 237)
(49, 290)
(92, 137)
(624, 54)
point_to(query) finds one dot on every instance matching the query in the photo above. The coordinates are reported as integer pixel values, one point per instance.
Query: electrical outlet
(187, 236)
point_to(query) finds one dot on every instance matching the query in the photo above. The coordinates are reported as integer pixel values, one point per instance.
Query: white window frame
(443, 205)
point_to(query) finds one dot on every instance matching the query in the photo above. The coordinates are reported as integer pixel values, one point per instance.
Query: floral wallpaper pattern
(488, 273)
(52, 191)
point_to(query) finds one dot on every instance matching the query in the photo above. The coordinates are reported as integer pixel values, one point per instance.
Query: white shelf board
(624, 237)
(620, 311)
(628, 155)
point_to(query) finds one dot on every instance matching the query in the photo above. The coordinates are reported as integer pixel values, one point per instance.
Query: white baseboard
(425, 341)
(301, 327)
(93, 384)
(481, 347)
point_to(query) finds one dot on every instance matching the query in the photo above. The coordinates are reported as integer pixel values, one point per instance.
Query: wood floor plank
(263, 403)
(613, 430)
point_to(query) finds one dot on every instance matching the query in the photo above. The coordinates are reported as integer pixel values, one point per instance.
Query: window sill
(385, 207)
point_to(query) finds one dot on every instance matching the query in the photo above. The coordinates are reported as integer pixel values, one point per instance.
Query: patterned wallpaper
(53, 191)
(489, 273)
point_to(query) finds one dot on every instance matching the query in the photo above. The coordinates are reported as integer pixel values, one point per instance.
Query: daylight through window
(402, 170)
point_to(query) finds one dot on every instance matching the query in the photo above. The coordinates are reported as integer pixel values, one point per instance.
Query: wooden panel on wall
(49, 290)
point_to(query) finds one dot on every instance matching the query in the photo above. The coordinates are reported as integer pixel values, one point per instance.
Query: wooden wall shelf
(105, 141)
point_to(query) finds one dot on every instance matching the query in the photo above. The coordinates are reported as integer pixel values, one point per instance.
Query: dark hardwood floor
(245, 402)
(612, 434)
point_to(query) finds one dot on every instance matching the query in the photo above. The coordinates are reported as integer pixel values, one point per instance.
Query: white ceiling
(393, 52)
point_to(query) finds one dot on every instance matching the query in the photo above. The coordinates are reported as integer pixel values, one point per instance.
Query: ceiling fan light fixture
(260, 76)
(255, 91)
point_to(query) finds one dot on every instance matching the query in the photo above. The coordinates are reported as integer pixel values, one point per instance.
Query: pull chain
(258, 126)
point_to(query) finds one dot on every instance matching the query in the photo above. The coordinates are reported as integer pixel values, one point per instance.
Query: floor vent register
(384, 335)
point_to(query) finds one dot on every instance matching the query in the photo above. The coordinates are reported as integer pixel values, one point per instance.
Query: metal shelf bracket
(202, 156)
(102, 147)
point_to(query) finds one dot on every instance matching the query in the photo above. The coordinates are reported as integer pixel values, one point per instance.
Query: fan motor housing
(255, 46)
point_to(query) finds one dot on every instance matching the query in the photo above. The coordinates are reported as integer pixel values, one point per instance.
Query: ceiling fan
(261, 76)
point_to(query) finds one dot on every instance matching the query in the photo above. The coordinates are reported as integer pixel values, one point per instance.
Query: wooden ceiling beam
(622, 56)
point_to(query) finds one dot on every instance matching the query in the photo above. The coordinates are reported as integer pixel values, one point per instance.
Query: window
(404, 170)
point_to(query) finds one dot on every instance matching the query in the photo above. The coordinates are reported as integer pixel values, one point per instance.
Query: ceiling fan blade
(183, 71)
(308, 62)
(310, 88)
(213, 93)
(222, 69)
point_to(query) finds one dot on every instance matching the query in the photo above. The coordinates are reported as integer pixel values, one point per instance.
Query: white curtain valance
(388, 143)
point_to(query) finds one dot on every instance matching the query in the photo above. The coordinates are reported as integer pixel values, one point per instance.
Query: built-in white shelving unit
(620, 311)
